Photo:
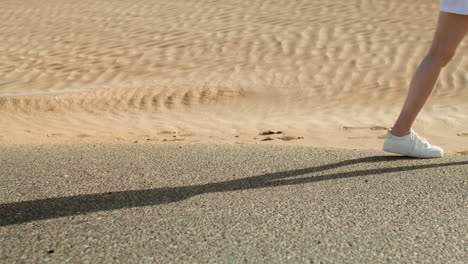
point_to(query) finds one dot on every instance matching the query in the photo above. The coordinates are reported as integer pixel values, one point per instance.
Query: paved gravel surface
(195, 203)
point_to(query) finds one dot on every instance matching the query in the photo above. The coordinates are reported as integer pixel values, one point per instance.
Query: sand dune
(221, 71)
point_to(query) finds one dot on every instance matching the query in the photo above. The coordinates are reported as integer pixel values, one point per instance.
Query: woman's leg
(450, 31)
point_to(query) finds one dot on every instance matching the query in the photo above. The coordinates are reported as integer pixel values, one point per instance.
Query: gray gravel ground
(195, 203)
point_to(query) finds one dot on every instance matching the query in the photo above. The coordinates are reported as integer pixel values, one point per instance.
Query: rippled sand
(325, 73)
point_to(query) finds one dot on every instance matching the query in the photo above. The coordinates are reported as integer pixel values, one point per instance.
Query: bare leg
(450, 31)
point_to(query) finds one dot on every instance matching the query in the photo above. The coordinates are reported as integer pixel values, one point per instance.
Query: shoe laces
(422, 140)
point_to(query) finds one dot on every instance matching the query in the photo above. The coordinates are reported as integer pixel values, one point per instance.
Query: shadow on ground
(27, 211)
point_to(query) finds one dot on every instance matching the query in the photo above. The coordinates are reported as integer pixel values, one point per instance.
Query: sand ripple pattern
(331, 49)
(260, 64)
(152, 99)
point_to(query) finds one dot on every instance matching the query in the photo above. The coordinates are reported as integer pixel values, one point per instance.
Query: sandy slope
(221, 71)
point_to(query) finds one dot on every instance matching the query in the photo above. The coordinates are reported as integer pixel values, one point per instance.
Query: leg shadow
(27, 211)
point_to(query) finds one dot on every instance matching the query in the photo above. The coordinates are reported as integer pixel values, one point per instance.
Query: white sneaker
(411, 145)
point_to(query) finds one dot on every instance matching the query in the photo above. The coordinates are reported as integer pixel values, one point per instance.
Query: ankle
(400, 133)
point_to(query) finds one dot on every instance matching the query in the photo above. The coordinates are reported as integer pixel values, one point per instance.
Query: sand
(325, 73)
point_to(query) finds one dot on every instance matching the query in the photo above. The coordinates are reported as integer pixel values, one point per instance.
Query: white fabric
(454, 6)
(411, 145)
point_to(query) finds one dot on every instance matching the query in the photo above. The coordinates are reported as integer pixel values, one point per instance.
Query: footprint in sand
(289, 138)
(270, 132)
(54, 135)
(173, 140)
(284, 138)
(165, 132)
